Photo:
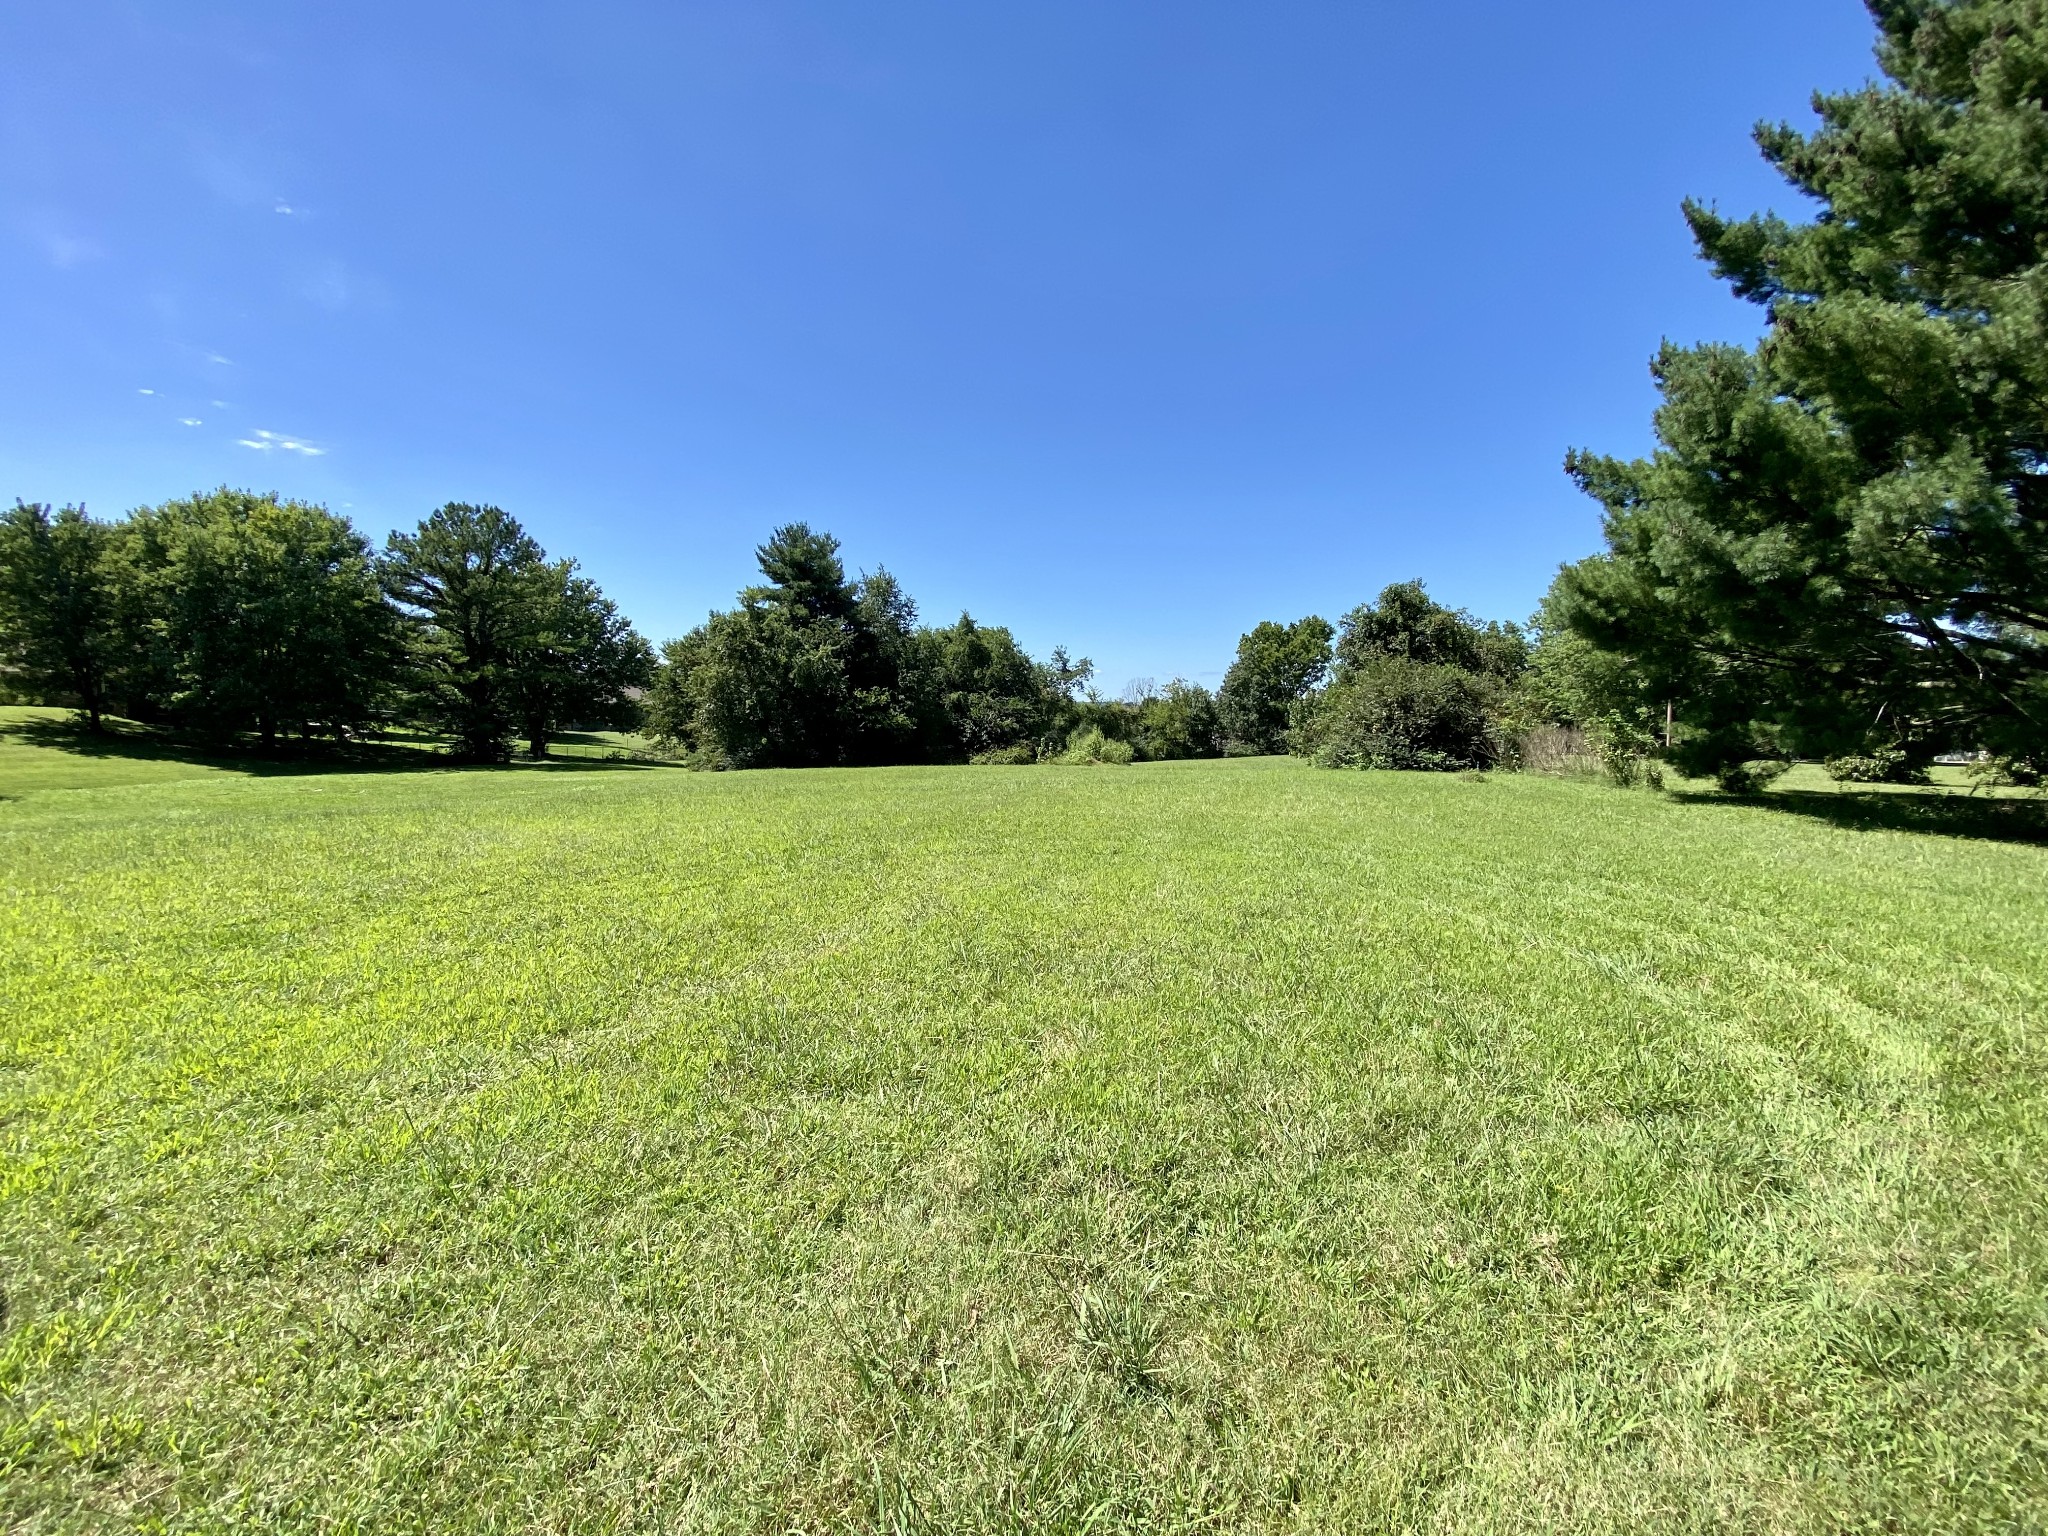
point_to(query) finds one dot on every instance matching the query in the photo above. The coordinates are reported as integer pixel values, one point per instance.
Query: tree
(581, 663)
(60, 605)
(1276, 665)
(479, 592)
(1841, 544)
(1390, 712)
(266, 616)
(1416, 685)
(813, 669)
(787, 677)
(993, 695)
(1406, 622)
(1179, 721)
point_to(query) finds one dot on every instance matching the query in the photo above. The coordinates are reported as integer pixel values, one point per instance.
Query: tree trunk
(536, 740)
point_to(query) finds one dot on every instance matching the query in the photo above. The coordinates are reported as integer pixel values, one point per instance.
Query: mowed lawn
(1189, 1147)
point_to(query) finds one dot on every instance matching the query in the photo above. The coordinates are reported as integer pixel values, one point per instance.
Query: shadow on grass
(128, 741)
(2007, 820)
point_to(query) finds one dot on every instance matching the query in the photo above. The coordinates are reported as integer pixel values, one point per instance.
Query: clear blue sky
(1127, 323)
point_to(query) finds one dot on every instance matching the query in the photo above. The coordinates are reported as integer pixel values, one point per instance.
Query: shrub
(1627, 749)
(1389, 712)
(2010, 772)
(1089, 747)
(1749, 778)
(1561, 751)
(1006, 757)
(1178, 723)
(1881, 765)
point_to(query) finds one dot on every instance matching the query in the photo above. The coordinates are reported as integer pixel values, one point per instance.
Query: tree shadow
(1987, 819)
(128, 741)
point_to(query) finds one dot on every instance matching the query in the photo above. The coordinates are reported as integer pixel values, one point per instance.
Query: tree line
(236, 614)
(1839, 549)
(233, 614)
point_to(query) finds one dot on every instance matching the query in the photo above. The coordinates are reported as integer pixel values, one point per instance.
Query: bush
(1883, 765)
(1561, 751)
(1749, 778)
(1627, 747)
(2010, 772)
(1006, 757)
(1090, 747)
(1389, 712)
(1179, 723)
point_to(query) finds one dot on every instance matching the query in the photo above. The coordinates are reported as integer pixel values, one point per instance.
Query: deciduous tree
(266, 616)
(1276, 665)
(60, 629)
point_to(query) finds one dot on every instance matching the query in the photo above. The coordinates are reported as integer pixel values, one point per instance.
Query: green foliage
(1886, 765)
(995, 698)
(1406, 624)
(506, 641)
(2011, 772)
(1277, 665)
(1089, 747)
(1571, 681)
(808, 671)
(1021, 755)
(1627, 747)
(264, 616)
(1842, 544)
(581, 664)
(1752, 777)
(1200, 1147)
(1390, 712)
(1418, 686)
(813, 669)
(1178, 722)
(60, 607)
(477, 589)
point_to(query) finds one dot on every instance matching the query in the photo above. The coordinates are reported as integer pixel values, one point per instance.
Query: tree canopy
(1416, 685)
(60, 621)
(506, 641)
(264, 615)
(1276, 665)
(814, 668)
(1842, 540)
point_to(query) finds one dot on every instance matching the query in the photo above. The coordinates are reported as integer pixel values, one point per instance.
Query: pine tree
(1843, 539)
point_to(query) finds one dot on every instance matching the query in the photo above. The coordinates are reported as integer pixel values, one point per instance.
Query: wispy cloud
(215, 357)
(270, 442)
(335, 285)
(145, 391)
(68, 251)
(190, 421)
(285, 208)
(59, 241)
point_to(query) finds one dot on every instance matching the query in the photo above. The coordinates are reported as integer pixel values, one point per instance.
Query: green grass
(1221, 1147)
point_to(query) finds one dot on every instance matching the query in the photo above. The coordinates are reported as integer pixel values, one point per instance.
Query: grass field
(1189, 1147)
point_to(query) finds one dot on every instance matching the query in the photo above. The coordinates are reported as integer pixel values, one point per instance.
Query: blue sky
(1126, 323)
